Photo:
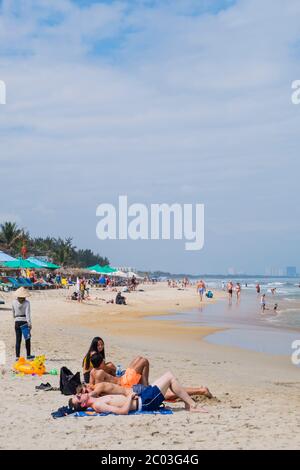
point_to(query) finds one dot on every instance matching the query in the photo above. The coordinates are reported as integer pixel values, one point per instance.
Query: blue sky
(165, 101)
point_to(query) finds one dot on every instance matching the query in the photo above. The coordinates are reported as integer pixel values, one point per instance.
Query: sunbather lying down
(150, 398)
(110, 388)
(136, 374)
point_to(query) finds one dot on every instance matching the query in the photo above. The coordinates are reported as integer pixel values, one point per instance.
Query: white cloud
(195, 106)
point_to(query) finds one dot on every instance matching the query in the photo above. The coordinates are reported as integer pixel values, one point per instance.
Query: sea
(243, 324)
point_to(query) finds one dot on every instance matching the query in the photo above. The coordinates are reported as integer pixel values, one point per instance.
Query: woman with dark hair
(97, 346)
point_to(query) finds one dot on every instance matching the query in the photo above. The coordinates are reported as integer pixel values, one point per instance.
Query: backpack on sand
(68, 382)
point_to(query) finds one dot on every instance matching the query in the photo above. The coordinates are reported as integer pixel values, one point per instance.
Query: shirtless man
(136, 373)
(150, 399)
(110, 388)
(201, 288)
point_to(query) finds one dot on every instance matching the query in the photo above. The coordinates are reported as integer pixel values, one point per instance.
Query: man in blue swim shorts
(150, 398)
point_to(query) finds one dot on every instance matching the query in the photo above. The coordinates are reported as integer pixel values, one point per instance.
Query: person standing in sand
(22, 317)
(201, 288)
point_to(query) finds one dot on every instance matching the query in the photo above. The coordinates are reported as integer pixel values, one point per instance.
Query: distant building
(126, 269)
(231, 271)
(291, 271)
(277, 272)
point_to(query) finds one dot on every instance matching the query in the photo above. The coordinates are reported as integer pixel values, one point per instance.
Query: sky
(175, 101)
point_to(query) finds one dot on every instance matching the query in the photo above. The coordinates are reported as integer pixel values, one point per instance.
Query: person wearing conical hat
(22, 317)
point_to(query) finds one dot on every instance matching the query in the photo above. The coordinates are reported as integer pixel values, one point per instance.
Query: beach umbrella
(109, 269)
(102, 269)
(5, 257)
(42, 264)
(119, 274)
(94, 268)
(20, 264)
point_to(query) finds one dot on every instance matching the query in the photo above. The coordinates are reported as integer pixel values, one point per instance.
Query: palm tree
(10, 235)
(64, 251)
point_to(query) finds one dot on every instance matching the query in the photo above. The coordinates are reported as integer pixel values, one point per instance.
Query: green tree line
(58, 250)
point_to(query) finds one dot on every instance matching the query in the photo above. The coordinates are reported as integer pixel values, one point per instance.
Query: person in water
(263, 302)
(150, 399)
(137, 372)
(238, 291)
(97, 346)
(257, 288)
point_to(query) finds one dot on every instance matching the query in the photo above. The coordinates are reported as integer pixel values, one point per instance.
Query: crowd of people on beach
(107, 388)
(237, 288)
(179, 283)
(110, 389)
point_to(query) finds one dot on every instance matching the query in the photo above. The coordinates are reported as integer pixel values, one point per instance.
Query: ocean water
(287, 296)
(271, 332)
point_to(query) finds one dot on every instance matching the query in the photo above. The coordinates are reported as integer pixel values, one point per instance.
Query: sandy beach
(256, 404)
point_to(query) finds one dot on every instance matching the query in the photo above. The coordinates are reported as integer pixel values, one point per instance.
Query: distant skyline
(164, 101)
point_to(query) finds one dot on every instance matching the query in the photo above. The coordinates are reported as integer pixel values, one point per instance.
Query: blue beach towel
(90, 412)
(66, 411)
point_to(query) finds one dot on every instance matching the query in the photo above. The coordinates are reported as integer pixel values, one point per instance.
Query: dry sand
(257, 396)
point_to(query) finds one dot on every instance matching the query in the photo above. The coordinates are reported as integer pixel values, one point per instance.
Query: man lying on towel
(136, 373)
(150, 399)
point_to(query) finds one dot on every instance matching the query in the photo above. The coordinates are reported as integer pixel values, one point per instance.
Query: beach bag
(68, 382)
(209, 294)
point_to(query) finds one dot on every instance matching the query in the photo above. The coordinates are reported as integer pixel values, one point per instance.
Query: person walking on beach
(82, 289)
(257, 288)
(201, 288)
(230, 290)
(263, 302)
(22, 317)
(238, 291)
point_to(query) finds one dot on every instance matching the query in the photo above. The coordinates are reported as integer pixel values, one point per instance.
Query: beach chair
(5, 285)
(25, 282)
(15, 283)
